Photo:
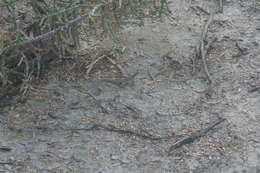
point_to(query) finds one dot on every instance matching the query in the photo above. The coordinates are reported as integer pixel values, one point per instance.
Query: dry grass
(36, 33)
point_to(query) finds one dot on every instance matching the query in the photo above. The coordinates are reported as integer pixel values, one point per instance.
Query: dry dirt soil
(53, 131)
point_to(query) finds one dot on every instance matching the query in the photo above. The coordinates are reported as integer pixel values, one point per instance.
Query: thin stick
(59, 29)
(5, 149)
(254, 89)
(122, 131)
(118, 66)
(191, 138)
(254, 5)
(6, 163)
(90, 66)
(94, 98)
(202, 47)
(55, 31)
(111, 128)
(124, 81)
(220, 6)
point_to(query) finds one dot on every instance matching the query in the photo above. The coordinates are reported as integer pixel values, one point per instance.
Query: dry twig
(122, 131)
(204, 49)
(191, 138)
(6, 163)
(255, 89)
(117, 65)
(124, 81)
(220, 6)
(5, 149)
(91, 65)
(104, 110)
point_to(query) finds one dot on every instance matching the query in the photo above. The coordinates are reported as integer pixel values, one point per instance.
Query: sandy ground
(170, 95)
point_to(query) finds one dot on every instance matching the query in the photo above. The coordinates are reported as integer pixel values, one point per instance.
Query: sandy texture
(169, 96)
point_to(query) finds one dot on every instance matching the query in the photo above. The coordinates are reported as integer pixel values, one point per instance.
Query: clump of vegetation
(36, 33)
